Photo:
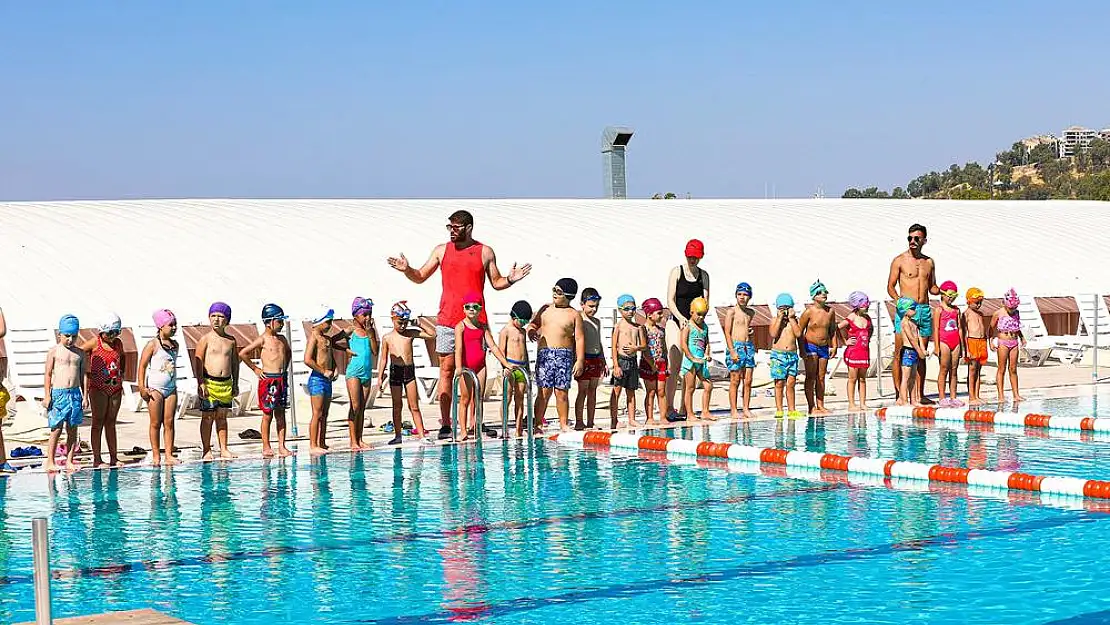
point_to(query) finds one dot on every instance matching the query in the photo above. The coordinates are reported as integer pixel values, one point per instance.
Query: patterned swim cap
(858, 300)
(699, 305)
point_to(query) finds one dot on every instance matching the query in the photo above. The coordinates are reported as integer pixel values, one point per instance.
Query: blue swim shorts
(553, 367)
(923, 316)
(319, 385)
(821, 351)
(783, 364)
(65, 408)
(909, 357)
(745, 356)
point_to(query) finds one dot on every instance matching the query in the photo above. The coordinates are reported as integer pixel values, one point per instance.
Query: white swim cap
(110, 323)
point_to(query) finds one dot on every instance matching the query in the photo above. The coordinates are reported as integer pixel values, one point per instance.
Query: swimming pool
(549, 533)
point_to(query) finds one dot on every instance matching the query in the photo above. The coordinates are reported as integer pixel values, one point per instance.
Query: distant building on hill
(1075, 138)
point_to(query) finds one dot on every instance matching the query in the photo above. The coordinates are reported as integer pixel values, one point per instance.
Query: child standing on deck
(217, 366)
(950, 344)
(594, 366)
(1006, 328)
(740, 356)
(857, 354)
(5, 397)
(653, 360)
(513, 342)
(785, 333)
(396, 352)
(273, 381)
(105, 385)
(561, 352)
(818, 326)
(975, 331)
(695, 365)
(158, 385)
(319, 358)
(472, 340)
(628, 342)
(362, 343)
(913, 349)
(65, 369)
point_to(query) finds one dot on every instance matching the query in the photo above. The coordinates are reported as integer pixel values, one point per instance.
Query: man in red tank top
(464, 265)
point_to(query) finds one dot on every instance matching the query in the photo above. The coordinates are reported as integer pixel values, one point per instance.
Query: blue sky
(508, 99)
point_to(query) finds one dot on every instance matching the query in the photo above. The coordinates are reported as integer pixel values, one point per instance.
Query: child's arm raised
(777, 325)
(244, 354)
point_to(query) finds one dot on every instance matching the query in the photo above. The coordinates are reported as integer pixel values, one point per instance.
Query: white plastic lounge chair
(1095, 319)
(1038, 345)
(27, 349)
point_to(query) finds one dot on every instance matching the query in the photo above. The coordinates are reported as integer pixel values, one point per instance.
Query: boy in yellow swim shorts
(217, 367)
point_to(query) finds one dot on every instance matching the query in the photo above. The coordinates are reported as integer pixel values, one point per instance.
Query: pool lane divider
(1002, 480)
(1032, 420)
(1081, 436)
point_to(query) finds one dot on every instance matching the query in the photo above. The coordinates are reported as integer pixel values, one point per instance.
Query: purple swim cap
(858, 299)
(220, 308)
(361, 305)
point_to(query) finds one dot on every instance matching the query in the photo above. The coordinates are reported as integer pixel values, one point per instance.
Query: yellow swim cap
(974, 293)
(699, 305)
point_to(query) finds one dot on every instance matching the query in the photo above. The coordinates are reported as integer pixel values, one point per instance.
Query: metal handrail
(40, 548)
(478, 418)
(505, 403)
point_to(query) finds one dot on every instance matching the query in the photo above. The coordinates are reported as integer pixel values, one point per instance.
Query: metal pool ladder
(476, 397)
(505, 380)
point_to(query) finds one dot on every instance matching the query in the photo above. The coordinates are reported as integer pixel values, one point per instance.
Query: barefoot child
(561, 352)
(857, 354)
(594, 366)
(913, 350)
(653, 361)
(5, 397)
(975, 329)
(695, 365)
(1006, 328)
(65, 369)
(158, 385)
(217, 365)
(513, 342)
(472, 340)
(785, 333)
(396, 354)
(628, 342)
(740, 357)
(273, 381)
(319, 358)
(950, 342)
(105, 385)
(818, 325)
(362, 343)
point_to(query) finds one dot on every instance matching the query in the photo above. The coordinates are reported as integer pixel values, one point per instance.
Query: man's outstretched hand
(400, 263)
(516, 274)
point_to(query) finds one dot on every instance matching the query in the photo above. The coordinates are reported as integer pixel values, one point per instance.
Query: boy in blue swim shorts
(318, 356)
(740, 356)
(65, 369)
(913, 349)
(561, 352)
(784, 353)
(818, 327)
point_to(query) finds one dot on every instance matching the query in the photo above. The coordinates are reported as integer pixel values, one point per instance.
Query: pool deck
(131, 617)
(1036, 382)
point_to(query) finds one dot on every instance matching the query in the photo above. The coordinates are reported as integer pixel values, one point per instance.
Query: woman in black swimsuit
(686, 283)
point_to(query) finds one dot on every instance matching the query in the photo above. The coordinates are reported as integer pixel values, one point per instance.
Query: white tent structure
(132, 257)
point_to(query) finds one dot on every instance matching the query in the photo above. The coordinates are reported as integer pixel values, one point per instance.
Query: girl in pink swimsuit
(950, 340)
(472, 340)
(857, 354)
(1006, 325)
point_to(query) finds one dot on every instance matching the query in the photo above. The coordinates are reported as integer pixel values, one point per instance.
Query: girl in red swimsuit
(105, 373)
(472, 340)
(951, 337)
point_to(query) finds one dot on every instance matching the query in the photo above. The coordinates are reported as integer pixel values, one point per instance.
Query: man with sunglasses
(464, 265)
(913, 275)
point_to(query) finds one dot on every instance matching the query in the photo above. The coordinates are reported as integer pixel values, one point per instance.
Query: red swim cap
(695, 248)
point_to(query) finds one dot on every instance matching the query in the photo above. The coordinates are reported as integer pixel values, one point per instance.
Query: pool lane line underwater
(476, 610)
(1002, 480)
(475, 528)
(1031, 420)
(1078, 436)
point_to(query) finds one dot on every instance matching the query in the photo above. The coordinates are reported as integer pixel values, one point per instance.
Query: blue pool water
(553, 534)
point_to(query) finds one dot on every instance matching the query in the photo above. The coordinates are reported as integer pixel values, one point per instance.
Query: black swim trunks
(400, 375)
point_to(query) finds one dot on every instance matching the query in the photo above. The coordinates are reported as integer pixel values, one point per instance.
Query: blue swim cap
(784, 300)
(69, 324)
(272, 312)
(905, 305)
(744, 287)
(625, 299)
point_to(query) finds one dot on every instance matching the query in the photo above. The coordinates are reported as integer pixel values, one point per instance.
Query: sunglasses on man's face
(455, 227)
(472, 307)
(915, 238)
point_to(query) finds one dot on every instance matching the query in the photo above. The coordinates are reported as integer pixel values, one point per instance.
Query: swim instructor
(913, 275)
(686, 283)
(464, 265)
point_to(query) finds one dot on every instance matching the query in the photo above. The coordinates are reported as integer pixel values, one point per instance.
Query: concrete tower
(614, 141)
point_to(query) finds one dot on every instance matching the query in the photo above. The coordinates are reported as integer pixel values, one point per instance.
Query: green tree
(1043, 153)
(899, 194)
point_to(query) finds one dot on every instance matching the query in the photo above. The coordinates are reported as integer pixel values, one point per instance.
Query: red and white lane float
(880, 467)
(1032, 420)
(968, 425)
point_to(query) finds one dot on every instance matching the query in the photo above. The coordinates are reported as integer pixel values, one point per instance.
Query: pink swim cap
(651, 305)
(1011, 299)
(163, 318)
(472, 297)
(948, 285)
